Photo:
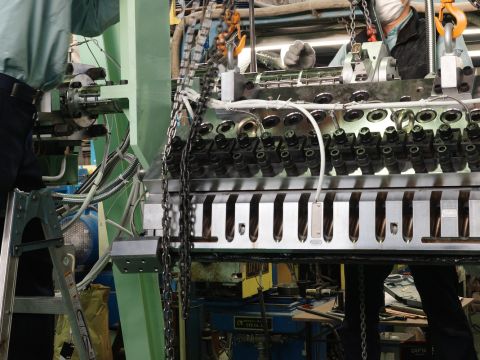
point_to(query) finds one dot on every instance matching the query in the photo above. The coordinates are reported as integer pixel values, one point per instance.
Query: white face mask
(389, 10)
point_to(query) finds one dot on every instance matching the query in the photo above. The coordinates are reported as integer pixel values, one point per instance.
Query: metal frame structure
(141, 42)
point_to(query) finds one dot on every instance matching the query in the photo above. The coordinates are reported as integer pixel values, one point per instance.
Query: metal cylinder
(265, 164)
(473, 157)
(338, 162)
(431, 36)
(445, 159)
(418, 163)
(253, 54)
(313, 161)
(390, 160)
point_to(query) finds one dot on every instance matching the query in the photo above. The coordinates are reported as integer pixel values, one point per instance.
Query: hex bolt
(66, 261)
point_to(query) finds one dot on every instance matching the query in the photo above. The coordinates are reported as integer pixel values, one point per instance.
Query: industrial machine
(339, 163)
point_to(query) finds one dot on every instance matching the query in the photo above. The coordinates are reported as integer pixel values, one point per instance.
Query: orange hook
(458, 14)
(232, 19)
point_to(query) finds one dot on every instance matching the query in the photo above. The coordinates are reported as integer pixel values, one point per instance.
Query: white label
(317, 219)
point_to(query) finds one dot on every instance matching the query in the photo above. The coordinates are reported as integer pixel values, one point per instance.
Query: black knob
(267, 139)
(340, 136)
(445, 132)
(391, 133)
(418, 133)
(291, 138)
(243, 140)
(221, 141)
(365, 135)
(473, 131)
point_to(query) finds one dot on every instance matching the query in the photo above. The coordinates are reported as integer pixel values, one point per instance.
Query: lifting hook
(232, 20)
(458, 14)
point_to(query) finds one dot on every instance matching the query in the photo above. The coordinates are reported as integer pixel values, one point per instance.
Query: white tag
(317, 220)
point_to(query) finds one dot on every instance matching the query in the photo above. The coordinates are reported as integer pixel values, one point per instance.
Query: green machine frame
(141, 42)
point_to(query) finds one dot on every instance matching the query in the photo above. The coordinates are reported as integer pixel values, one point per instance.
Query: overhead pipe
(273, 11)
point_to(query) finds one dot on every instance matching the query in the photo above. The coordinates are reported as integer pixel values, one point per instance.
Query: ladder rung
(39, 305)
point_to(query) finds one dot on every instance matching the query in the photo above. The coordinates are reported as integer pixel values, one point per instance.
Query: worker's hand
(300, 55)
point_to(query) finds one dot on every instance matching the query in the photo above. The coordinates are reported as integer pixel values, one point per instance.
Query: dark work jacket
(410, 51)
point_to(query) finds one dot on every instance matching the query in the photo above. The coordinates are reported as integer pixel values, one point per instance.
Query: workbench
(327, 306)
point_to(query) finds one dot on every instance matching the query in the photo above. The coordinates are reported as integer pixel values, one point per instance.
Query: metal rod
(431, 36)
(253, 55)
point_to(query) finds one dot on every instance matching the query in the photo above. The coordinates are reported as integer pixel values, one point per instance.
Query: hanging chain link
(186, 216)
(167, 293)
(186, 220)
(187, 70)
(363, 323)
(351, 28)
(366, 12)
(191, 58)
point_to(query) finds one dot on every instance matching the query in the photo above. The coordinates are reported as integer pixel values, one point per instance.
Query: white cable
(247, 105)
(60, 175)
(95, 270)
(119, 227)
(96, 183)
(279, 104)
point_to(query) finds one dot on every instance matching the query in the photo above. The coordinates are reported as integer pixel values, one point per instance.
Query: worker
(33, 54)
(449, 330)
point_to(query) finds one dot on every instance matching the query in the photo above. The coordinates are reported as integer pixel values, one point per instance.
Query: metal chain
(188, 67)
(363, 323)
(177, 106)
(186, 218)
(351, 29)
(185, 229)
(366, 12)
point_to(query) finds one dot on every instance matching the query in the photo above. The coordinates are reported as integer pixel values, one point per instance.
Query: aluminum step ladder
(21, 209)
